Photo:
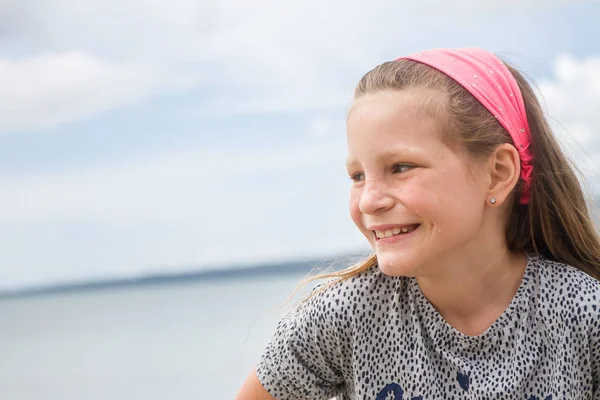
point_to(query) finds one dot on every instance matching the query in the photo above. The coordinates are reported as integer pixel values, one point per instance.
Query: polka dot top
(378, 337)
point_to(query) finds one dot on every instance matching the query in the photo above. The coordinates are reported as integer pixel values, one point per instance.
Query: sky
(145, 136)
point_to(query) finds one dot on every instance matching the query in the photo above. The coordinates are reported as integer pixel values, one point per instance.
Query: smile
(395, 231)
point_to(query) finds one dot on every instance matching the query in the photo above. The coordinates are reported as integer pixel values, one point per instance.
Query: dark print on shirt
(393, 391)
(464, 380)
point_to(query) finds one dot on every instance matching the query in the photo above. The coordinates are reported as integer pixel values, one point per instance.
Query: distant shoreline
(240, 272)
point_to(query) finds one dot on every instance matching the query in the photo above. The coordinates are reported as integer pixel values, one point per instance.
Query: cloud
(194, 208)
(572, 99)
(169, 188)
(77, 58)
(45, 90)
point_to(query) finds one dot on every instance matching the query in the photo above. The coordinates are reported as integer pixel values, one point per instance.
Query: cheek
(416, 197)
(456, 203)
(353, 205)
(440, 197)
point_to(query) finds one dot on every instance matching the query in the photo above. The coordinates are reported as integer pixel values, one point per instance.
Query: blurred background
(169, 171)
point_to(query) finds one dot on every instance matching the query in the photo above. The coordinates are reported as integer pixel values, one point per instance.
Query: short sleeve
(307, 356)
(591, 308)
(594, 338)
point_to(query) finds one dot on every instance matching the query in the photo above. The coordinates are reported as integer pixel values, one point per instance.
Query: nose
(375, 197)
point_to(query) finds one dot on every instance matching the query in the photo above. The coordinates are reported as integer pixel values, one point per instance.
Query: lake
(191, 340)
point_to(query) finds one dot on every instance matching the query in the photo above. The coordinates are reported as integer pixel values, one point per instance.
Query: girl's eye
(396, 169)
(357, 176)
(402, 168)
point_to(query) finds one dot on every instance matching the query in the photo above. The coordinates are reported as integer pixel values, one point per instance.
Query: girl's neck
(471, 293)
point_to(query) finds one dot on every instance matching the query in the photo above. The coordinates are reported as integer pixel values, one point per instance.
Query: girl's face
(416, 200)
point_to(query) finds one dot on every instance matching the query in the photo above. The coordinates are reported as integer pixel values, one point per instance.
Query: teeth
(392, 232)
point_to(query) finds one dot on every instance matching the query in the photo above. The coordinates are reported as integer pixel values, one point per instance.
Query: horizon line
(240, 271)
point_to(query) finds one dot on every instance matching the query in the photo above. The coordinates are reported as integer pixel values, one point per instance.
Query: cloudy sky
(140, 136)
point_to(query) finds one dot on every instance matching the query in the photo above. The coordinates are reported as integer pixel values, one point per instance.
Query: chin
(397, 263)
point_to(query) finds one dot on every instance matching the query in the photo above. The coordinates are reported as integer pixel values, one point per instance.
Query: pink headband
(486, 77)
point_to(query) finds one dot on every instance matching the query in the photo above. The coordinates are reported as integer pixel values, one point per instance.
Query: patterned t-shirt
(377, 337)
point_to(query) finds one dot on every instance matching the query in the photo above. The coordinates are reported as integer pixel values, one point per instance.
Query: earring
(493, 200)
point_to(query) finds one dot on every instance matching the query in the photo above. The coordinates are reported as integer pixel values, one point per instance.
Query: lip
(389, 226)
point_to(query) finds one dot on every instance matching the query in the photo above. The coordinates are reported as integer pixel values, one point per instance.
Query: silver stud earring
(493, 200)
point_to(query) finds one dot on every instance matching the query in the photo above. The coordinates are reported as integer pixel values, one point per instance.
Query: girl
(483, 282)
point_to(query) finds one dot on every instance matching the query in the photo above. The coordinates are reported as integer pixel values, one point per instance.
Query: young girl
(483, 282)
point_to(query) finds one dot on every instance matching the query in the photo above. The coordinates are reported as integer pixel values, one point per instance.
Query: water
(187, 341)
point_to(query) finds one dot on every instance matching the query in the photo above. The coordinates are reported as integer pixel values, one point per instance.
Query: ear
(504, 171)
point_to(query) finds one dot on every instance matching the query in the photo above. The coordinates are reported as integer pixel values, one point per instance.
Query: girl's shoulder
(369, 286)
(567, 292)
(341, 305)
(564, 280)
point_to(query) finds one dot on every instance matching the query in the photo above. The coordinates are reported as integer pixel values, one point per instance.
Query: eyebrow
(386, 155)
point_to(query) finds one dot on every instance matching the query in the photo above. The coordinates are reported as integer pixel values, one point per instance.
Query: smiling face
(416, 199)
